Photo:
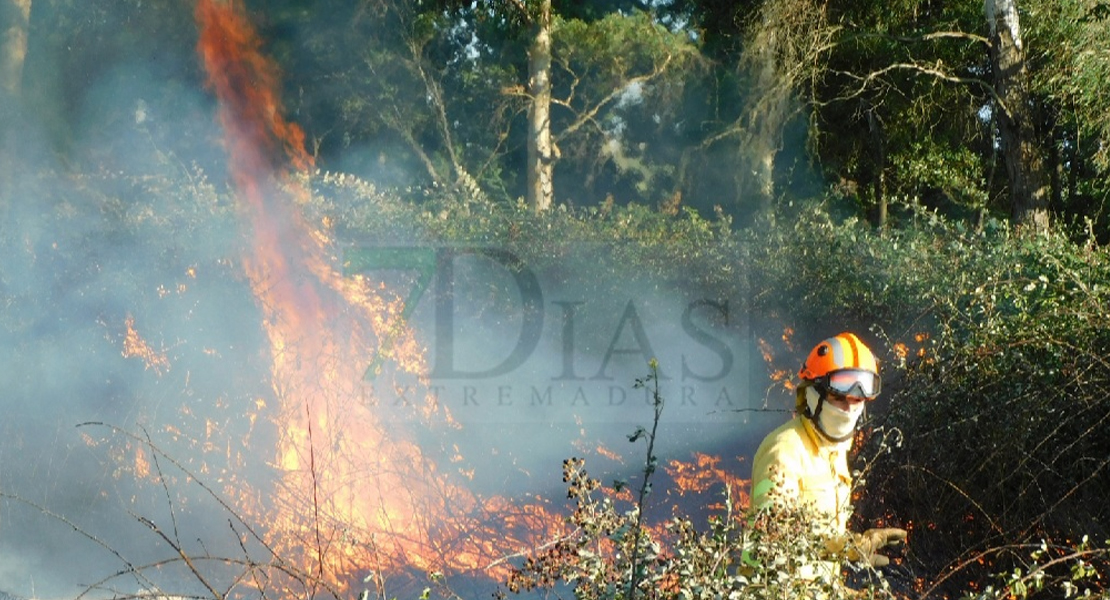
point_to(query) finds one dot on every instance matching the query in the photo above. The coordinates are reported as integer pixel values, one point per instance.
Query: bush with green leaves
(764, 554)
(994, 346)
(1006, 408)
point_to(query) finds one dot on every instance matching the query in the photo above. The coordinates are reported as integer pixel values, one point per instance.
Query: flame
(766, 351)
(353, 494)
(903, 350)
(703, 473)
(779, 376)
(135, 346)
(142, 463)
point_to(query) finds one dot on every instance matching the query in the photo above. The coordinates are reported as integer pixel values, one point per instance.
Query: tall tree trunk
(1055, 169)
(540, 150)
(765, 121)
(783, 48)
(878, 156)
(15, 16)
(1021, 151)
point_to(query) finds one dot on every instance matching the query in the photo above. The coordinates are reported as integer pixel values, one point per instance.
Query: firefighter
(806, 459)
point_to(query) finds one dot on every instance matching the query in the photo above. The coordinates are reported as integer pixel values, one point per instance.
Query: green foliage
(611, 48)
(618, 83)
(1069, 37)
(1066, 42)
(939, 174)
(1005, 403)
(897, 112)
(897, 95)
(1064, 572)
(764, 555)
(646, 243)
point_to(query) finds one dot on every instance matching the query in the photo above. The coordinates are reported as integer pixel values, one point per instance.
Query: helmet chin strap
(815, 403)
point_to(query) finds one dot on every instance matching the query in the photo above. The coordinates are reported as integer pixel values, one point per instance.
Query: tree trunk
(15, 16)
(878, 156)
(1055, 169)
(783, 49)
(765, 122)
(1021, 152)
(764, 168)
(540, 151)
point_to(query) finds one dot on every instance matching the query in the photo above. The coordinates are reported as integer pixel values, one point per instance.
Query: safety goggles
(853, 382)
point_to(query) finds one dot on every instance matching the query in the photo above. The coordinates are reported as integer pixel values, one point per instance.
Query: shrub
(1005, 409)
(759, 555)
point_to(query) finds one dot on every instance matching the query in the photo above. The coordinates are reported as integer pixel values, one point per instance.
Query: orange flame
(703, 473)
(778, 375)
(135, 346)
(353, 494)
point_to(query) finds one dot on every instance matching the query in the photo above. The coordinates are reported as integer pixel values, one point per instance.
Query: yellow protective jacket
(797, 463)
(802, 464)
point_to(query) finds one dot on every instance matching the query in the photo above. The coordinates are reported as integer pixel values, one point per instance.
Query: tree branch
(588, 115)
(184, 556)
(931, 71)
(928, 37)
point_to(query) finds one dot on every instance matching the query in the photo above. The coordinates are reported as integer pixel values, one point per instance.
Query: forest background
(931, 173)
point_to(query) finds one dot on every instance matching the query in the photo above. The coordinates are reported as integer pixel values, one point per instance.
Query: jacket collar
(821, 442)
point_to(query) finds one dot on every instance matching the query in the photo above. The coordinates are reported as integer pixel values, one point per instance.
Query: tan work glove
(864, 547)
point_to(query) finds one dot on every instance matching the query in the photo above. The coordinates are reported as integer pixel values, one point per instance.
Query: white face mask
(838, 423)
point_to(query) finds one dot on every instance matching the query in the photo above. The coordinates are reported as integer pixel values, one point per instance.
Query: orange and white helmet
(843, 365)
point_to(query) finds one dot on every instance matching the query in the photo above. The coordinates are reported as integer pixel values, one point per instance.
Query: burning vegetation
(257, 409)
(353, 495)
